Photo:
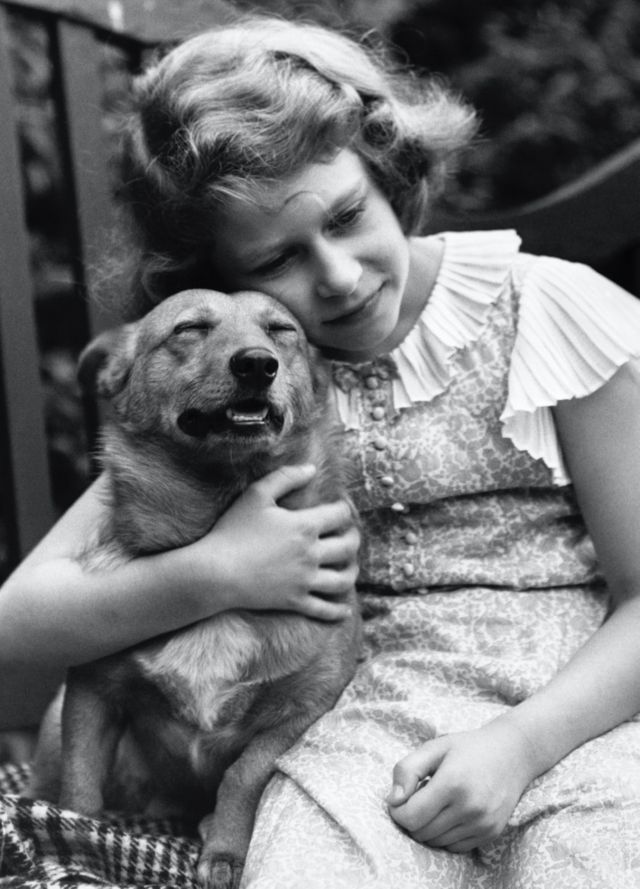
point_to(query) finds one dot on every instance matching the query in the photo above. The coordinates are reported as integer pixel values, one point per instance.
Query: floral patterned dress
(482, 580)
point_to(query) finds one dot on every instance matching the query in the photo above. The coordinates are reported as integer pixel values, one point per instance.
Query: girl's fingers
(465, 845)
(446, 823)
(452, 836)
(418, 811)
(340, 550)
(331, 518)
(413, 769)
(283, 481)
(335, 582)
(325, 519)
(316, 607)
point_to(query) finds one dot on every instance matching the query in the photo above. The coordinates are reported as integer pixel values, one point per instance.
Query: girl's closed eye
(347, 218)
(277, 263)
(340, 222)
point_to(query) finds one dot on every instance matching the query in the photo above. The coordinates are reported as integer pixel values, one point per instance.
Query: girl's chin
(360, 342)
(356, 349)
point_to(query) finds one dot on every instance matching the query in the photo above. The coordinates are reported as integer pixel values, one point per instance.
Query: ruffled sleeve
(575, 329)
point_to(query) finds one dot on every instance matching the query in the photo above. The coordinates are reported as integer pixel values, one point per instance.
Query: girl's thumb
(284, 480)
(397, 795)
(413, 771)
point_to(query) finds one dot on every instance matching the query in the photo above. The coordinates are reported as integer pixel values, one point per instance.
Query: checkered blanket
(42, 846)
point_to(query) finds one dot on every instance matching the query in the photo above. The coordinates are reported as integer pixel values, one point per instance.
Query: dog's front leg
(90, 734)
(226, 833)
(44, 782)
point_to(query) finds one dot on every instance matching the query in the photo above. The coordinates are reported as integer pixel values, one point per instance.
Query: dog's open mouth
(248, 413)
(248, 416)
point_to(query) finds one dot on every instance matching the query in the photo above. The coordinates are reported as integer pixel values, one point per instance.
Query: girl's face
(325, 243)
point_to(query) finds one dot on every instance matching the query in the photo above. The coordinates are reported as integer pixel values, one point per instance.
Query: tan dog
(209, 392)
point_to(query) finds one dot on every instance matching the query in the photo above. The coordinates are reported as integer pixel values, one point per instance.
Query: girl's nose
(338, 273)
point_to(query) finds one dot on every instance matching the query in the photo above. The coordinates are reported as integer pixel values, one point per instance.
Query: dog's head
(204, 369)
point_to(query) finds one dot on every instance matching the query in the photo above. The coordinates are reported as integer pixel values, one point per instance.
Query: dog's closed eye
(191, 327)
(281, 328)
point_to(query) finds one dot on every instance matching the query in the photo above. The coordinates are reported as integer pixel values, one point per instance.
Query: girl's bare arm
(478, 776)
(54, 613)
(600, 687)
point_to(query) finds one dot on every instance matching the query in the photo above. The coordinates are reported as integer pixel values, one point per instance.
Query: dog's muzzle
(255, 369)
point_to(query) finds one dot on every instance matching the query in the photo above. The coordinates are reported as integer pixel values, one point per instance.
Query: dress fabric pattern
(481, 581)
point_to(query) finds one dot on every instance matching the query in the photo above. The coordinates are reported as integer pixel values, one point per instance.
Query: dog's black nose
(254, 367)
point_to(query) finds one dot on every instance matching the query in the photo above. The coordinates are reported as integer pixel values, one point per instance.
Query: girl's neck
(425, 259)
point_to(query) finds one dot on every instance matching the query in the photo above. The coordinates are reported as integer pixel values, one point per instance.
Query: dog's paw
(219, 871)
(17, 746)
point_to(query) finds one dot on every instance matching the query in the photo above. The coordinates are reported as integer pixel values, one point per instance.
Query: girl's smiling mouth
(358, 313)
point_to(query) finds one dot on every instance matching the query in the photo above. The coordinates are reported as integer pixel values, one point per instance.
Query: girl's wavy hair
(235, 109)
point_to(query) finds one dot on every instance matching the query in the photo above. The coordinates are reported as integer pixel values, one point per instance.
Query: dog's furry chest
(213, 671)
(219, 673)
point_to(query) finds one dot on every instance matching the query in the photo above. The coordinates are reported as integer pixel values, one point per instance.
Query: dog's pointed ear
(105, 364)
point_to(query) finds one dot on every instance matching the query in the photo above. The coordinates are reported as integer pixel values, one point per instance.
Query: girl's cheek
(294, 295)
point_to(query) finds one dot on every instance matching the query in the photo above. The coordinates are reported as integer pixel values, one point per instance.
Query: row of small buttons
(378, 412)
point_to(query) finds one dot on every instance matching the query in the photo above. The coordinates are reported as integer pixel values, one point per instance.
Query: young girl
(491, 412)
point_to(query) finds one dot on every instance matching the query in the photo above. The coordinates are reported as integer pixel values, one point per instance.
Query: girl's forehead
(322, 181)
(259, 222)
(325, 181)
(316, 190)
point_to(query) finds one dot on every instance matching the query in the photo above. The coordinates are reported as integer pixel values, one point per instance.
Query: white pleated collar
(474, 269)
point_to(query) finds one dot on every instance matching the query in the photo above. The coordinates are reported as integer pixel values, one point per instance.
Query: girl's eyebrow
(257, 256)
(354, 192)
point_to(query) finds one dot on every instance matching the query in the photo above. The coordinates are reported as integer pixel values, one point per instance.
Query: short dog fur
(208, 393)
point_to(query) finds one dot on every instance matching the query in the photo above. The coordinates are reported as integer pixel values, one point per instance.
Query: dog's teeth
(247, 418)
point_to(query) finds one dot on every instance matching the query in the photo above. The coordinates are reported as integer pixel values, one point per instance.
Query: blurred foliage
(556, 82)
(557, 85)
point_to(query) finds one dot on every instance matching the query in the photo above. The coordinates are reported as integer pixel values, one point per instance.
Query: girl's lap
(324, 819)
(298, 843)
(324, 822)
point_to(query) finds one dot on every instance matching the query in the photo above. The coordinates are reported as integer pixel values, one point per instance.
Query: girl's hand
(270, 557)
(475, 780)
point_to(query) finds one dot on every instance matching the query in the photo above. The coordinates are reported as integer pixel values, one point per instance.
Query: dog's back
(209, 393)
